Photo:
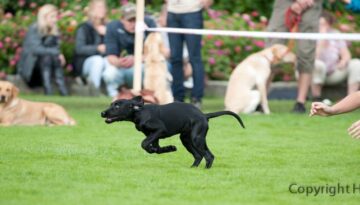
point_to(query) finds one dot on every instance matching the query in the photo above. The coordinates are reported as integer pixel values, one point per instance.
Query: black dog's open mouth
(112, 119)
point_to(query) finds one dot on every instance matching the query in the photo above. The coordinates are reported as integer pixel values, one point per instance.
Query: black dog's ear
(138, 102)
(138, 99)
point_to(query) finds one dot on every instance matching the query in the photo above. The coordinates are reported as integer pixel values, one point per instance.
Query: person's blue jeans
(93, 68)
(193, 42)
(115, 77)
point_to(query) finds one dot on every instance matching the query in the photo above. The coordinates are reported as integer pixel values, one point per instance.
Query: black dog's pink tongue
(108, 120)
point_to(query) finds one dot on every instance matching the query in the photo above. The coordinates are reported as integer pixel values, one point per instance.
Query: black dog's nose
(103, 114)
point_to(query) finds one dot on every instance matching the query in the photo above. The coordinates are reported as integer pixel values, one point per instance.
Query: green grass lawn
(97, 163)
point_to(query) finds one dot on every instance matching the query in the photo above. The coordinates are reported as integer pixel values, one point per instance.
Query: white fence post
(139, 37)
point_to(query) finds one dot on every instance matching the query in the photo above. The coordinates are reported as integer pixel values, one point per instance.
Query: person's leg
(303, 87)
(354, 76)
(36, 77)
(306, 54)
(93, 68)
(276, 24)
(318, 79)
(176, 49)
(336, 77)
(129, 77)
(59, 76)
(113, 78)
(45, 64)
(193, 43)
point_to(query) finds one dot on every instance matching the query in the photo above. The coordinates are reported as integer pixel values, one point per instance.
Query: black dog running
(162, 121)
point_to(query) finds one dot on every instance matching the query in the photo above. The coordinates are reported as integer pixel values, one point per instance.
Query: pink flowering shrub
(221, 54)
(13, 29)
(12, 33)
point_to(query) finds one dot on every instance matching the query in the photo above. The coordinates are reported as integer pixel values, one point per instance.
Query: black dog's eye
(117, 106)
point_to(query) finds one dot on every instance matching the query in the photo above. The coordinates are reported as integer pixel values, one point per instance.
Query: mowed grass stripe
(97, 163)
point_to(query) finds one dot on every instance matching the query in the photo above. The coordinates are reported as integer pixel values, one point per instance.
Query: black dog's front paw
(151, 150)
(166, 149)
(171, 148)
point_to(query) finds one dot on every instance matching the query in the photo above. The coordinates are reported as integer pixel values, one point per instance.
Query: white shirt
(184, 6)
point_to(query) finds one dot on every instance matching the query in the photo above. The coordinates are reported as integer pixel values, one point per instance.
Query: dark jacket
(87, 40)
(118, 40)
(32, 48)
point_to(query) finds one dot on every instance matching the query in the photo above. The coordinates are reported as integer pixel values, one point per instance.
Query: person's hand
(354, 130)
(206, 3)
(62, 59)
(101, 29)
(296, 8)
(306, 3)
(321, 109)
(101, 48)
(301, 5)
(126, 62)
(342, 65)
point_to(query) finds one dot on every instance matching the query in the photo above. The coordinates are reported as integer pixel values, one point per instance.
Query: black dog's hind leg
(199, 138)
(187, 142)
(208, 155)
(161, 150)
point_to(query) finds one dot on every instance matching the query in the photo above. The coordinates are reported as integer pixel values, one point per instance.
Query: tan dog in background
(157, 77)
(253, 72)
(16, 111)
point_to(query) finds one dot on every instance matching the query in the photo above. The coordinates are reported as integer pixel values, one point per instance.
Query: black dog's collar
(137, 107)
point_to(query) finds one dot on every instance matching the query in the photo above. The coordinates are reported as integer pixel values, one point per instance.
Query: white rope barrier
(260, 34)
(141, 27)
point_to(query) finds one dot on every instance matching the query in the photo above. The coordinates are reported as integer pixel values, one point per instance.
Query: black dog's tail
(217, 114)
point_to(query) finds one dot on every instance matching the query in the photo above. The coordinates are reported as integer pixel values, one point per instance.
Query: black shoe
(178, 99)
(196, 103)
(299, 108)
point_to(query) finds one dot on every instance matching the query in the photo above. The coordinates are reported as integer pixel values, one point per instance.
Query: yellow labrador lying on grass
(157, 77)
(16, 111)
(254, 72)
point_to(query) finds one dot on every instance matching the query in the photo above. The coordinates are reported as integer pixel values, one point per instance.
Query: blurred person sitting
(89, 60)
(333, 63)
(119, 41)
(41, 57)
